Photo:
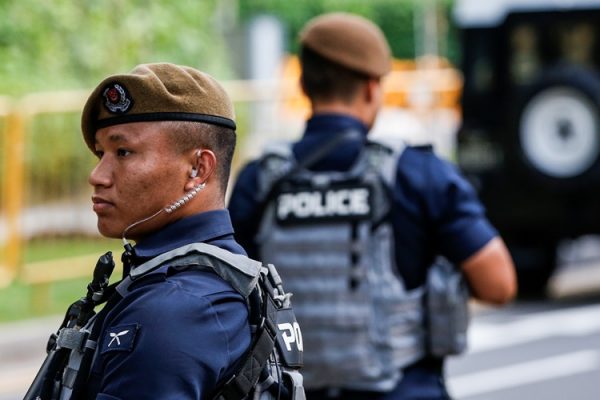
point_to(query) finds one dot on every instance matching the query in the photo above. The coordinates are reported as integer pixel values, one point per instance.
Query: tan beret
(156, 92)
(349, 40)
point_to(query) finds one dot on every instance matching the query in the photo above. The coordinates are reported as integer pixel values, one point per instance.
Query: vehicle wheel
(559, 126)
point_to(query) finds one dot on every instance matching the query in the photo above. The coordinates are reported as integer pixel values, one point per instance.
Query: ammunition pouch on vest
(447, 309)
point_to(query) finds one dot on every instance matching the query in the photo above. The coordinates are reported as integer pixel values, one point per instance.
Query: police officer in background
(357, 255)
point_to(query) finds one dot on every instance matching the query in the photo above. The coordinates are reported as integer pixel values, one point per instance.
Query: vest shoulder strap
(383, 153)
(276, 161)
(241, 272)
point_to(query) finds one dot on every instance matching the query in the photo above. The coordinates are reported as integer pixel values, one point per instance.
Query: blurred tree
(395, 17)
(60, 44)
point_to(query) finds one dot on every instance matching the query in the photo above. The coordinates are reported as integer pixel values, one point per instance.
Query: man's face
(138, 173)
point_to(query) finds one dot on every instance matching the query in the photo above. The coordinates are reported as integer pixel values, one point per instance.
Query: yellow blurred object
(426, 83)
(293, 99)
(13, 191)
(8, 266)
(16, 117)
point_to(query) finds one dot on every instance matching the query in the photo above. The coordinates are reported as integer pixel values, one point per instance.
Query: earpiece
(194, 172)
(185, 198)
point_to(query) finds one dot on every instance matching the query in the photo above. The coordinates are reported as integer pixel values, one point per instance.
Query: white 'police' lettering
(330, 203)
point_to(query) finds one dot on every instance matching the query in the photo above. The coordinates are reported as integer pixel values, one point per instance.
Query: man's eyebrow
(117, 137)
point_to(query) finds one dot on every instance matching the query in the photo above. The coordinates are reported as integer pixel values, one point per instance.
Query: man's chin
(109, 232)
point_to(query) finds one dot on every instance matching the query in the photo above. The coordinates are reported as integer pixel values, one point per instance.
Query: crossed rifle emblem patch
(119, 338)
(115, 336)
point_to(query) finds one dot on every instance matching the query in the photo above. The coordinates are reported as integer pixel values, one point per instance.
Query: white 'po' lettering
(291, 334)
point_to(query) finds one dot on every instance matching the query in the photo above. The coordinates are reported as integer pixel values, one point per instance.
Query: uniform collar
(330, 123)
(204, 227)
(319, 130)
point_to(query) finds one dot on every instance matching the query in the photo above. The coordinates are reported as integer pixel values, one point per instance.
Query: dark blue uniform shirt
(435, 212)
(177, 333)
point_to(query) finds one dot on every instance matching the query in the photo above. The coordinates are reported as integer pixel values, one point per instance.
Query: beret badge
(116, 99)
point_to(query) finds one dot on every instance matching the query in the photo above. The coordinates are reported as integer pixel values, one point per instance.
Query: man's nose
(101, 174)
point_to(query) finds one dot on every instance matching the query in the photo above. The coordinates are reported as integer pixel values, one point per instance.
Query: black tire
(557, 129)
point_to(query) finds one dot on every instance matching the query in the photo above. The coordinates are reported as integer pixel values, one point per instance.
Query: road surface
(530, 350)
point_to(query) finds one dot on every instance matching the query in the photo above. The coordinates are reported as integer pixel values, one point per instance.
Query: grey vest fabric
(360, 325)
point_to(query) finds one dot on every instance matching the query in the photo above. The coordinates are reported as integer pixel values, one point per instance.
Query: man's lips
(101, 204)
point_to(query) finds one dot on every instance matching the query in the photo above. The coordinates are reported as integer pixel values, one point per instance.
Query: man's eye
(123, 152)
(99, 153)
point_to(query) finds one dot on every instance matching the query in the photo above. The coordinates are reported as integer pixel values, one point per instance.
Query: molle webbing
(361, 323)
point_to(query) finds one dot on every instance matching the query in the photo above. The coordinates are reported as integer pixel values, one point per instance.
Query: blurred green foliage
(16, 299)
(397, 19)
(59, 44)
(44, 249)
(57, 159)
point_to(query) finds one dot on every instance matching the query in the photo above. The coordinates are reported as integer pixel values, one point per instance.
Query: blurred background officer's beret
(349, 40)
(156, 92)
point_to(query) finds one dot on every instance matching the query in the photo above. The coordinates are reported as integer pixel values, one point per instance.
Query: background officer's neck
(364, 106)
(354, 109)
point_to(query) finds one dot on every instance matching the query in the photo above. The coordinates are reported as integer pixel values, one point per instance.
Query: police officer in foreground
(355, 228)
(181, 322)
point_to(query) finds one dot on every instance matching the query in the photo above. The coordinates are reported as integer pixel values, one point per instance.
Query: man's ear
(202, 169)
(372, 90)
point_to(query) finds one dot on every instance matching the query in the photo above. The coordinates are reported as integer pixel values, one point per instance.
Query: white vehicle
(530, 139)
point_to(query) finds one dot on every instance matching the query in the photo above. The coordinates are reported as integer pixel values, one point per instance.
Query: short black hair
(326, 80)
(221, 140)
